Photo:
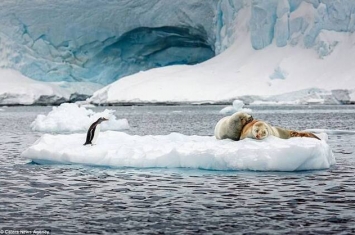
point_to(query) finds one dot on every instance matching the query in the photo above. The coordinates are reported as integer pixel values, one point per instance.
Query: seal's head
(260, 131)
(245, 118)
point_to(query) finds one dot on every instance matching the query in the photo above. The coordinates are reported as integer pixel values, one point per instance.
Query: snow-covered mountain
(265, 49)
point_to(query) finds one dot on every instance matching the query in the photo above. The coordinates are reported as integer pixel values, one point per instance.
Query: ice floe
(118, 149)
(261, 102)
(331, 132)
(72, 118)
(236, 107)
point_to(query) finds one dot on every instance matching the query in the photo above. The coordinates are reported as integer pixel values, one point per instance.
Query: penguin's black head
(101, 119)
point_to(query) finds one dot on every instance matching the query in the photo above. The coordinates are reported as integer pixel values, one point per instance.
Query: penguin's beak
(105, 119)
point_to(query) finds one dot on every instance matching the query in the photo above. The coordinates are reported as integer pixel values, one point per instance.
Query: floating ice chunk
(118, 149)
(87, 105)
(238, 104)
(72, 118)
(352, 96)
(314, 101)
(237, 107)
(331, 132)
(262, 102)
(227, 110)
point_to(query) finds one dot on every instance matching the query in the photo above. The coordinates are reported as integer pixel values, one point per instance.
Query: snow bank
(18, 89)
(313, 58)
(117, 149)
(237, 107)
(238, 78)
(72, 118)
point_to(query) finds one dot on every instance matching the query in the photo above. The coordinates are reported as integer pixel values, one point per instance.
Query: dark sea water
(68, 199)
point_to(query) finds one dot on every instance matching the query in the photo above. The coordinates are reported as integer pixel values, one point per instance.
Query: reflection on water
(96, 200)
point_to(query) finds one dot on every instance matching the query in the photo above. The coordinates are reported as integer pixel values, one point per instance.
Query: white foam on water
(118, 149)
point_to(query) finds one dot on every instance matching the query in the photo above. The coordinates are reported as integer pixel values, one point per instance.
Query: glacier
(101, 41)
(271, 51)
(230, 49)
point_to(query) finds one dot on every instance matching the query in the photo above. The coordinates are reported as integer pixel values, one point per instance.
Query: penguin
(94, 131)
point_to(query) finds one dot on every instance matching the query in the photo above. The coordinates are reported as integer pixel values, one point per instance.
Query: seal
(94, 131)
(230, 127)
(260, 130)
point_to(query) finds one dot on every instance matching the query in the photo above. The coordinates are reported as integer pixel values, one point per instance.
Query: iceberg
(118, 149)
(72, 118)
(236, 107)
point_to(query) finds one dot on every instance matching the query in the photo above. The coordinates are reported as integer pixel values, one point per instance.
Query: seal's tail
(303, 134)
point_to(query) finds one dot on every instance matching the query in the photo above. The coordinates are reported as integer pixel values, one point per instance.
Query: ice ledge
(17, 89)
(117, 149)
(309, 96)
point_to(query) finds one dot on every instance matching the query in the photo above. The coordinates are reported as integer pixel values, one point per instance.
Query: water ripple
(76, 199)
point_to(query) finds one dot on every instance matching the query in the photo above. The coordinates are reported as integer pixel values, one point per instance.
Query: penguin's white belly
(96, 134)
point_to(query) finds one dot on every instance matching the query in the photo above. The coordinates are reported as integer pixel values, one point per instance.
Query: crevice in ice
(262, 24)
(279, 73)
(144, 48)
(105, 61)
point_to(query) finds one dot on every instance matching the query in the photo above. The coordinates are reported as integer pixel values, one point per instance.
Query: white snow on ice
(72, 118)
(18, 89)
(236, 107)
(263, 48)
(118, 149)
(243, 71)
